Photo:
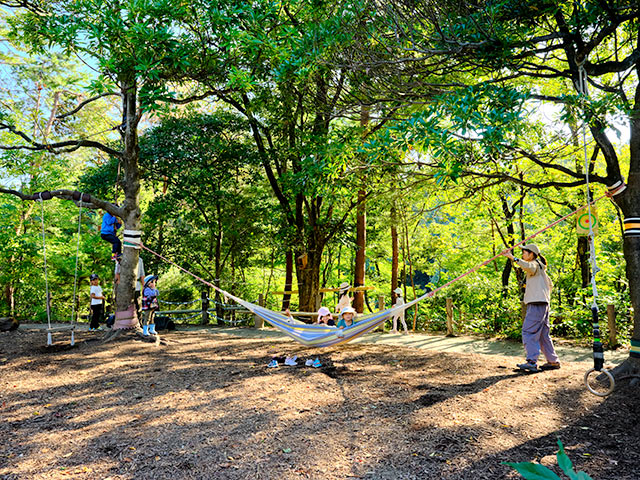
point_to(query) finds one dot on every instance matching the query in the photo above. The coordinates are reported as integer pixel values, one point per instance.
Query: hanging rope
(598, 351)
(75, 276)
(46, 277)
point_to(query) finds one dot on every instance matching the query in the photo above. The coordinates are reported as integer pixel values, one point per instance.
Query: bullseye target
(584, 219)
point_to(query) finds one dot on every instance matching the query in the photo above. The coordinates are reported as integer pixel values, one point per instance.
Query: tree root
(629, 368)
(135, 333)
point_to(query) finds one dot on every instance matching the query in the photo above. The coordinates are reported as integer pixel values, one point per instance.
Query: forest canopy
(292, 146)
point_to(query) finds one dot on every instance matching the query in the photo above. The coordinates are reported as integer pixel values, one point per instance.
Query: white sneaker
(308, 363)
(291, 361)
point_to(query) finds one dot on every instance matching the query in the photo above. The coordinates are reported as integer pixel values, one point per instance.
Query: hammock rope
(325, 336)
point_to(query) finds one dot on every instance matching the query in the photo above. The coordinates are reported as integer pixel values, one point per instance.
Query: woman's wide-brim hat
(532, 247)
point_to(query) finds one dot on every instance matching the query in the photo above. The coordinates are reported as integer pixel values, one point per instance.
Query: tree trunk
(361, 245)
(288, 280)
(394, 255)
(583, 261)
(218, 263)
(629, 202)
(361, 232)
(308, 276)
(131, 187)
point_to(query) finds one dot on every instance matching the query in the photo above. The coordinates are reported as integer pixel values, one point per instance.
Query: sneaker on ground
(308, 363)
(273, 364)
(290, 362)
(550, 366)
(316, 363)
(528, 367)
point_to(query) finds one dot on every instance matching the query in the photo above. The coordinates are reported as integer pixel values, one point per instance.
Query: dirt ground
(205, 406)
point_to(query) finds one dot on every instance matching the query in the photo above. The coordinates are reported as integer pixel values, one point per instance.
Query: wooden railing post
(257, 321)
(613, 330)
(205, 307)
(449, 317)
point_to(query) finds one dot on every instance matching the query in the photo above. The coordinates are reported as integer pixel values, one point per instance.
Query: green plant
(535, 471)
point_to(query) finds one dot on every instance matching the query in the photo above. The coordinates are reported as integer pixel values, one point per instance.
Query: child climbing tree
(138, 55)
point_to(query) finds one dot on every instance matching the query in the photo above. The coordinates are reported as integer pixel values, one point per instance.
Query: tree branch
(86, 102)
(57, 147)
(87, 199)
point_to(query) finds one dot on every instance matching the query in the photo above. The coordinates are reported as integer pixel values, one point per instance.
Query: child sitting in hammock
(347, 317)
(325, 317)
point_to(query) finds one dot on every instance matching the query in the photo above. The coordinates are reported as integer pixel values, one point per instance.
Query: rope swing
(42, 196)
(598, 351)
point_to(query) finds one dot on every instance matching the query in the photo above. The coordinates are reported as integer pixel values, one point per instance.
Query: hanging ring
(612, 382)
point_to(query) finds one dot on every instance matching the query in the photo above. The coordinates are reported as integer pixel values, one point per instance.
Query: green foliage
(535, 471)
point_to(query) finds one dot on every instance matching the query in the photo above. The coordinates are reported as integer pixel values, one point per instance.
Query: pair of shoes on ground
(313, 363)
(530, 366)
(291, 361)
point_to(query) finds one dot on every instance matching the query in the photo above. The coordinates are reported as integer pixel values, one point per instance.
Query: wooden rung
(61, 329)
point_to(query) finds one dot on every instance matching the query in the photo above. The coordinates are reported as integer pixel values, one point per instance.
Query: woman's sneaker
(550, 366)
(528, 366)
(316, 363)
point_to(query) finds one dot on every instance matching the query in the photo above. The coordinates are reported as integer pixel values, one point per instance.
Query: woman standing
(537, 294)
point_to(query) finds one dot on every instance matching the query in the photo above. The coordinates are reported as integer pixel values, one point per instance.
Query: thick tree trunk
(631, 248)
(361, 246)
(309, 279)
(131, 187)
(9, 296)
(629, 202)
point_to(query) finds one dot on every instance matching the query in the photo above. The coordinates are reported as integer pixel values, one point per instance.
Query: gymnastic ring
(612, 381)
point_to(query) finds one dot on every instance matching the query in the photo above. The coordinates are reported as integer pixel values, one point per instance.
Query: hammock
(326, 336)
(320, 335)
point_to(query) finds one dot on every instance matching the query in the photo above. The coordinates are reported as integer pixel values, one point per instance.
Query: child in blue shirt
(110, 225)
(149, 305)
(347, 317)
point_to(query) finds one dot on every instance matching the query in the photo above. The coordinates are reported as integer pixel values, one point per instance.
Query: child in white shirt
(97, 303)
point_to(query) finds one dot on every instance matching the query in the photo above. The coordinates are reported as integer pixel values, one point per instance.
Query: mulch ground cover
(205, 406)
